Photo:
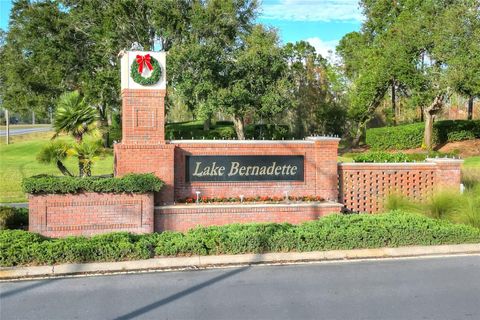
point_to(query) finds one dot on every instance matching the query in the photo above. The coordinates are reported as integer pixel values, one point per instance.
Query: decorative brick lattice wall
(365, 186)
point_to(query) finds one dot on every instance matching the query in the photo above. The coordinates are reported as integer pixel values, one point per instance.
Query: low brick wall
(58, 215)
(184, 217)
(364, 186)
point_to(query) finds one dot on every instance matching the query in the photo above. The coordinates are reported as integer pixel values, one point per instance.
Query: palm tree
(74, 116)
(56, 152)
(87, 152)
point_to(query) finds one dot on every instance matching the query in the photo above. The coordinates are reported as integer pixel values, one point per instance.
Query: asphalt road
(433, 288)
(16, 132)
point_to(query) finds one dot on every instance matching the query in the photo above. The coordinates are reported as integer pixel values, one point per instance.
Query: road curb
(200, 262)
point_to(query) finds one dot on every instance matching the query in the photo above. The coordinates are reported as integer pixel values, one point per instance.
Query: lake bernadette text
(235, 169)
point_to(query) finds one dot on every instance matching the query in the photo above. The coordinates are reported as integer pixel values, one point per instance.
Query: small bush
(268, 131)
(380, 156)
(393, 229)
(131, 183)
(471, 178)
(448, 205)
(13, 218)
(400, 202)
(410, 136)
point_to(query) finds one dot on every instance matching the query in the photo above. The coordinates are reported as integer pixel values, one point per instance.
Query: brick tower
(143, 148)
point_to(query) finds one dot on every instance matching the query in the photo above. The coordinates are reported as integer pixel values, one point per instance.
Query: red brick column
(143, 116)
(143, 148)
(326, 180)
(448, 174)
(148, 158)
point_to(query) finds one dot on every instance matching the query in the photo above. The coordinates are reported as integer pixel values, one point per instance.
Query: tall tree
(102, 28)
(459, 45)
(36, 57)
(255, 79)
(199, 57)
(317, 106)
(401, 43)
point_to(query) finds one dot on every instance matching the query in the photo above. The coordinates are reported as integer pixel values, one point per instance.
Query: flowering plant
(267, 199)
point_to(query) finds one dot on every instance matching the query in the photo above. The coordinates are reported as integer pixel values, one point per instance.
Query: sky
(320, 22)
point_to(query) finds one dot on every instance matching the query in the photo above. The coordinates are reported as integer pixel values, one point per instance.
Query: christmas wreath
(137, 68)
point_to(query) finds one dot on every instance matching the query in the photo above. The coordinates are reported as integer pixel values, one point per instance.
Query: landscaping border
(204, 262)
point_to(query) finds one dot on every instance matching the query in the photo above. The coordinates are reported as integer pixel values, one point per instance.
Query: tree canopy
(418, 46)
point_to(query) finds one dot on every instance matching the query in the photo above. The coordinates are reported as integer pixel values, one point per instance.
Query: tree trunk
(470, 108)
(63, 169)
(207, 123)
(80, 169)
(429, 114)
(239, 127)
(358, 135)
(105, 132)
(428, 134)
(7, 122)
(421, 114)
(394, 103)
(103, 119)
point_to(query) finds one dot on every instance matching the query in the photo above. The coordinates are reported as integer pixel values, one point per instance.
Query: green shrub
(380, 156)
(194, 129)
(400, 202)
(225, 130)
(457, 130)
(471, 177)
(446, 204)
(400, 137)
(13, 218)
(268, 131)
(410, 136)
(131, 183)
(329, 233)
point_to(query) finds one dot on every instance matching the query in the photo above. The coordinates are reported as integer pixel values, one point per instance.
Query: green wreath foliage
(154, 77)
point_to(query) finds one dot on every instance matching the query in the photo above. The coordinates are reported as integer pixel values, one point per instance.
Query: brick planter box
(89, 213)
(184, 217)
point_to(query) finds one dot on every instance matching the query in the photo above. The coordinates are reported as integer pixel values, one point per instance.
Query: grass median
(18, 161)
(335, 232)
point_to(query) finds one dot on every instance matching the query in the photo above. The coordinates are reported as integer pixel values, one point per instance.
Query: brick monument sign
(223, 169)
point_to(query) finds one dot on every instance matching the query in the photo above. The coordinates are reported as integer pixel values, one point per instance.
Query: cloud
(312, 10)
(325, 48)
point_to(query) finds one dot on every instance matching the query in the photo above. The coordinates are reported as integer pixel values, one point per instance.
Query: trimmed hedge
(382, 156)
(130, 183)
(13, 218)
(393, 229)
(410, 136)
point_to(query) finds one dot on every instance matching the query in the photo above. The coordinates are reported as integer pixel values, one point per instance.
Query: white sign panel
(149, 61)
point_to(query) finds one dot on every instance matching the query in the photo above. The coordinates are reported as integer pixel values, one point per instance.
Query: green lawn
(472, 162)
(18, 160)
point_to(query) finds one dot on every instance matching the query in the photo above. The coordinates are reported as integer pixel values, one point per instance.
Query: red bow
(141, 60)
